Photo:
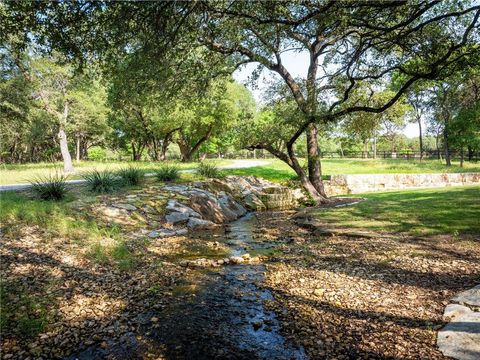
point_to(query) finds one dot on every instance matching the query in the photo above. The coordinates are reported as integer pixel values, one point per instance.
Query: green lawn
(418, 212)
(18, 174)
(276, 170)
(279, 171)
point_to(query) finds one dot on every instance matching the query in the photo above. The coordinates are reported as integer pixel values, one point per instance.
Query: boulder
(162, 233)
(252, 202)
(255, 193)
(209, 209)
(200, 224)
(176, 218)
(175, 206)
(469, 297)
(229, 205)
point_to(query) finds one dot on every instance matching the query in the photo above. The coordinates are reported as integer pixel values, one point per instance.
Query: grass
(102, 181)
(22, 173)
(208, 170)
(103, 243)
(167, 172)
(276, 170)
(417, 212)
(51, 187)
(131, 176)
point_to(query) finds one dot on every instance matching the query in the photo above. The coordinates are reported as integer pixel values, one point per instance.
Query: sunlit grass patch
(418, 212)
(110, 252)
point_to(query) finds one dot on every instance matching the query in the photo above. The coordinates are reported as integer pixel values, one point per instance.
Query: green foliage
(52, 187)
(167, 172)
(97, 153)
(102, 181)
(208, 170)
(116, 253)
(131, 176)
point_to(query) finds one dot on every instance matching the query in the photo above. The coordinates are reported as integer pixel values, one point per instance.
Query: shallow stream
(225, 319)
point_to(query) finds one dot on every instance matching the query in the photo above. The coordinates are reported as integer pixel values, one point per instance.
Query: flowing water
(226, 319)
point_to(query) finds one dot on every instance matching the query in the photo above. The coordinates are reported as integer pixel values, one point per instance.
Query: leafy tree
(88, 123)
(51, 84)
(223, 105)
(348, 44)
(368, 126)
(465, 125)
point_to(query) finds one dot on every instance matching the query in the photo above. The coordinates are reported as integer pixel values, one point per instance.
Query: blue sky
(297, 64)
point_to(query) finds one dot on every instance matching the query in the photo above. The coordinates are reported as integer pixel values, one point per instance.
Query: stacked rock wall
(359, 183)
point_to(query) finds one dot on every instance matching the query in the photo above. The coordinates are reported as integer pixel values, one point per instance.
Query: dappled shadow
(193, 314)
(91, 308)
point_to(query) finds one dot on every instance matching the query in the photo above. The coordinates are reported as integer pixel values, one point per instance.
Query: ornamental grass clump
(208, 170)
(51, 187)
(130, 176)
(167, 173)
(102, 181)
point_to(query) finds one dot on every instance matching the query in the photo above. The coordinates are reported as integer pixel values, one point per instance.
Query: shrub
(208, 170)
(102, 182)
(130, 176)
(52, 187)
(96, 153)
(167, 173)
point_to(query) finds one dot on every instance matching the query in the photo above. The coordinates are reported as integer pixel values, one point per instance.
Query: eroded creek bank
(217, 313)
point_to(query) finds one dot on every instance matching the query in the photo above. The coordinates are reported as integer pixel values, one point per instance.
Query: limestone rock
(454, 311)
(128, 207)
(237, 260)
(176, 218)
(460, 338)
(252, 202)
(162, 233)
(175, 188)
(469, 297)
(209, 208)
(200, 224)
(228, 204)
(175, 206)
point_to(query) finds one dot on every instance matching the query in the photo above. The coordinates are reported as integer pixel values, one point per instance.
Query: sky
(297, 64)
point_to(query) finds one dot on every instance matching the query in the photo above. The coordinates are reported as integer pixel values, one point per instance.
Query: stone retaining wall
(357, 184)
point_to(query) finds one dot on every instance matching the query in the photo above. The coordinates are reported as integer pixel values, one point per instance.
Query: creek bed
(221, 316)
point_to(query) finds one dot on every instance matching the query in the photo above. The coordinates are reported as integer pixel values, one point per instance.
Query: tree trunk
(137, 151)
(163, 149)
(420, 136)
(437, 146)
(187, 152)
(77, 149)
(62, 136)
(314, 165)
(365, 149)
(67, 159)
(470, 153)
(448, 160)
(462, 156)
(375, 146)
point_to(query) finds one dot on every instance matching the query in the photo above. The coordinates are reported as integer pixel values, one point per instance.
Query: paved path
(237, 164)
(460, 338)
